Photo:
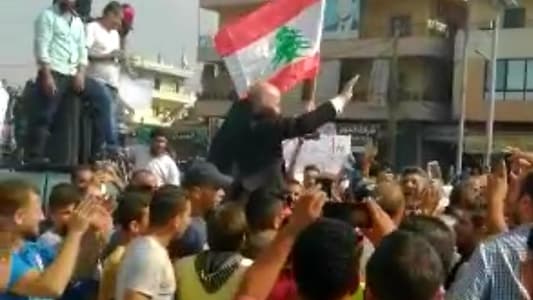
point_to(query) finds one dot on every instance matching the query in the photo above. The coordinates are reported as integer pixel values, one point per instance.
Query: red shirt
(285, 288)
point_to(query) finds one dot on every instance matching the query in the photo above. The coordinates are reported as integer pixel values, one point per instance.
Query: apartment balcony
(221, 4)
(412, 46)
(420, 46)
(412, 107)
(186, 99)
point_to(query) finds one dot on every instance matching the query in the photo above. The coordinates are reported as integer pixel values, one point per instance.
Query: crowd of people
(194, 240)
(365, 233)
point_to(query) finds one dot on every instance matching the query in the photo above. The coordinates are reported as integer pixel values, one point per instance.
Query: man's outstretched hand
(347, 89)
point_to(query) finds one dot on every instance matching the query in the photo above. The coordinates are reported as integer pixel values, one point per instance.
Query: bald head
(265, 97)
(391, 199)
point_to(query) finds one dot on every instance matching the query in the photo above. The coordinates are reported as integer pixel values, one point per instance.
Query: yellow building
(170, 99)
(514, 79)
(365, 45)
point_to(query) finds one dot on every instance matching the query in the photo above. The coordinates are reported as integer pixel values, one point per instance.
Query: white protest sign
(329, 153)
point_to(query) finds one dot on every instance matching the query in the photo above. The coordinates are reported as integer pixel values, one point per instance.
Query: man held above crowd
(248, 145)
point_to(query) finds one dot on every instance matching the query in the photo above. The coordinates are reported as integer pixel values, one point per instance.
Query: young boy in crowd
(216, 273)
(146, 271)
(132, 216)
(61, 204)
(264, 214)
(204, 187)
(35, 270)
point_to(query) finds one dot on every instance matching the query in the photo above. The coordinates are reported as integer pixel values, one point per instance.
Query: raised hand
(83, 216)
(382, 224)
(497, 184)
(307, 209)
(347, 89)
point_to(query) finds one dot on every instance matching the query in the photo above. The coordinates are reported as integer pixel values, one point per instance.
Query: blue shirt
(30, 257)
(493, 271)
(60, 41)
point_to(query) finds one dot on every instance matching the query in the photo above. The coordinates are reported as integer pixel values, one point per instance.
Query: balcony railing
(216, 4)
(420, 40)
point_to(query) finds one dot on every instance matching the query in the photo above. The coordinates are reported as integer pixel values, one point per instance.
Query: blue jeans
(96, 94)
(103, 103)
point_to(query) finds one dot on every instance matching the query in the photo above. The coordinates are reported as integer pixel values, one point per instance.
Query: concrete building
(514, 79)
(170, 99)
(359, 38)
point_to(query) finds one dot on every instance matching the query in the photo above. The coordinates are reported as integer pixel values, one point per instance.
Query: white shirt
(101, 41)
(146, 269)
(165, 169)
(163, 166)
(4, 101)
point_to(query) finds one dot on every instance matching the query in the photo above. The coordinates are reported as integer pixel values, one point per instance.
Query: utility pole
(493, 72)
(464, 84)
(393, 98)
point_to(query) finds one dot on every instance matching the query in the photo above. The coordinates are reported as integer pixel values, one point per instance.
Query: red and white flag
(279, 42)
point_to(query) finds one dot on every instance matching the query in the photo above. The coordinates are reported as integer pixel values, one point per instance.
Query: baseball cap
(204, 173)
(128, 14)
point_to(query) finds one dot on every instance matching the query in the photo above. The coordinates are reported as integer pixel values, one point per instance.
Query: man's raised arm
(324, 113)
(52, 282)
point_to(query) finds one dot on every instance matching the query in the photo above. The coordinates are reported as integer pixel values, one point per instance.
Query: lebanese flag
(278, 42)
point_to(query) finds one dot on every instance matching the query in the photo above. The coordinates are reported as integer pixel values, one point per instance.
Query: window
(516, 74)
(157, 84)
(400, 24)
(514, 17)
(514, 79)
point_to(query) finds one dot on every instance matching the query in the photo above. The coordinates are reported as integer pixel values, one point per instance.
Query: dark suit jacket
(249, 147)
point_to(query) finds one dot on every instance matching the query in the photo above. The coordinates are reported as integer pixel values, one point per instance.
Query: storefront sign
(362, 134)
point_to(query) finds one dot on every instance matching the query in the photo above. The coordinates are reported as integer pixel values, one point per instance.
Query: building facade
(170, 99)
(514, 77)
(362, 37)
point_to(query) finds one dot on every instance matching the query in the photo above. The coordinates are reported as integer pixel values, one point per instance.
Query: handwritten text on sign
(328, 153)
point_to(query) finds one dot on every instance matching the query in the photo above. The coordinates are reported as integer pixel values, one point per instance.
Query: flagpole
(309, 92)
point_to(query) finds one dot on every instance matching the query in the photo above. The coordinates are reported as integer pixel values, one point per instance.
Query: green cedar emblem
(289, 44)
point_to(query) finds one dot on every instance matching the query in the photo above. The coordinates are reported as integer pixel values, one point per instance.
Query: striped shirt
(493, 272)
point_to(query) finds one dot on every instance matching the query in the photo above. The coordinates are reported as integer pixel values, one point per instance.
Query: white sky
(167, 27)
